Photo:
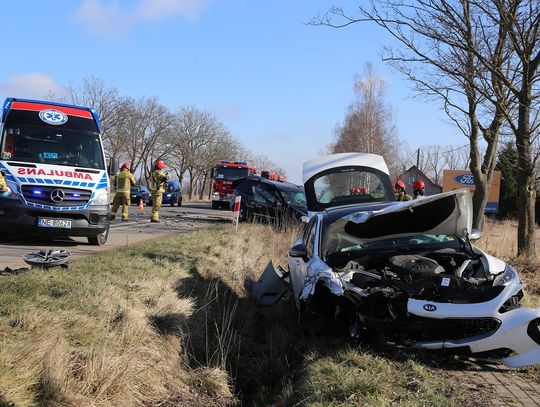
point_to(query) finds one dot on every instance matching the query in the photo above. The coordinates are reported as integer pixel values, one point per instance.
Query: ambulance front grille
(55, 196)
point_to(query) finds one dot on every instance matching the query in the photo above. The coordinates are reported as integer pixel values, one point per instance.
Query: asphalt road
(173, 220)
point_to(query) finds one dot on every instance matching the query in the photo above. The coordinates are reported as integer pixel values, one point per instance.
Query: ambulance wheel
(100, 239)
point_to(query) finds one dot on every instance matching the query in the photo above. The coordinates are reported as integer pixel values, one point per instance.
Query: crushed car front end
(428, 289)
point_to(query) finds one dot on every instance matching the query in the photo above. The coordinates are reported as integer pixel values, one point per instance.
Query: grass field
(167, 323)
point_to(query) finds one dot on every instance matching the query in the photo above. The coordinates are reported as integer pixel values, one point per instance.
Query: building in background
(412, 174)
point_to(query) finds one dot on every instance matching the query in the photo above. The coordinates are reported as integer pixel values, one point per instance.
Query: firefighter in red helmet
(122, 183)
(401, 194)
(419, 189)
(158, 183)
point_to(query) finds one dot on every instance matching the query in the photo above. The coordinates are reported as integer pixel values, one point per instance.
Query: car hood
(448, 213)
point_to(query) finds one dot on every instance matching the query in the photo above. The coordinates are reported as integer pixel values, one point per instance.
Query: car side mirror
(298, 250)
(474, 235)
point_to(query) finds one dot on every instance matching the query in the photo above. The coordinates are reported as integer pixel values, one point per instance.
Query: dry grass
(105, 332)
(499, 238)
(168, 323)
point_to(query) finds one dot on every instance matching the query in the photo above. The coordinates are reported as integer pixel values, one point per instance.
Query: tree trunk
(203, 185)
(480, 198)
(527, 191)
(526, 222)
(190, 194)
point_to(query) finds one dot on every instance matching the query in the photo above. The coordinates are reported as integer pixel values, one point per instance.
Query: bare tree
(436, 158)
(368, 125)
(194, 131)
(440, 43)
(94, 92)
(146, 125)
(264, 163)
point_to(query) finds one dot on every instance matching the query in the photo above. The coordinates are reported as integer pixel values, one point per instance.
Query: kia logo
(57, 195)
(464, 179)
(430, 307)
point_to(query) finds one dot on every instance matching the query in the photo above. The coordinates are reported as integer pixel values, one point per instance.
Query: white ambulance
(54, 165)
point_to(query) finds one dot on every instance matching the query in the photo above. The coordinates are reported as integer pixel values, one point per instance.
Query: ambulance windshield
(35, 144)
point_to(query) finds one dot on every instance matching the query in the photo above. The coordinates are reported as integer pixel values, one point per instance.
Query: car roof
(278, 184)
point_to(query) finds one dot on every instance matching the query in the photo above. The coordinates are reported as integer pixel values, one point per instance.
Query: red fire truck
(224, 174)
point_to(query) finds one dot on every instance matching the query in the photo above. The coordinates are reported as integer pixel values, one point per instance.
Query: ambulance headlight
(101, 197)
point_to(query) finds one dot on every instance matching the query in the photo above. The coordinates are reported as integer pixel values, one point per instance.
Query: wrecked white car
(405, 271)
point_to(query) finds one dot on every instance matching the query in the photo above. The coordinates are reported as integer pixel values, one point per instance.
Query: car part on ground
(47, 258)
(404, 271)
(271, 285)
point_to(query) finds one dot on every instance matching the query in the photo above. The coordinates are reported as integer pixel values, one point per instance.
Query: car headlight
(101, 197)
(506, 277)
(168, 195)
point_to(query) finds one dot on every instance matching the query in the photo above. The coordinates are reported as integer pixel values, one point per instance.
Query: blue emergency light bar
(234, 162)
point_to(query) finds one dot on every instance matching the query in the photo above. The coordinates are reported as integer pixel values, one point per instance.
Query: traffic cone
(141, 205)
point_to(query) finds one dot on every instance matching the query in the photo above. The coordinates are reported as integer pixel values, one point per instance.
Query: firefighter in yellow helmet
(158, 181)
(122, 182)
(4, 189)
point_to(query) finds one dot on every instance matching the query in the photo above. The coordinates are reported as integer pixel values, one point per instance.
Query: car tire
(215, 205)
(179, 203)
(99, 240)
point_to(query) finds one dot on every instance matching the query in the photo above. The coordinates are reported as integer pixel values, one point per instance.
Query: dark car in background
(172, 195)
(138, 193)
(270, 201)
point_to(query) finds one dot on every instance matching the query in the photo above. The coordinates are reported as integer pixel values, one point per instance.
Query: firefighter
(122, 182)
(401, 195)
(4, 189)
(419, 189)
(158, 182)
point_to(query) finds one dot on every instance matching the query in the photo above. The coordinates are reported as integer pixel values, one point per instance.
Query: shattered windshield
(337, 247)
(294, 197)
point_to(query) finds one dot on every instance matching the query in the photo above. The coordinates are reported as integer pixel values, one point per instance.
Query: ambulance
(53, 162)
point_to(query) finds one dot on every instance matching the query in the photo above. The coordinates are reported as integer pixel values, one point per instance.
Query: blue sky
(279, 85)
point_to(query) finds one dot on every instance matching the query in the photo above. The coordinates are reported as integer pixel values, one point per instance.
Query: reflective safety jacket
(158, 181)
(123, 181)
(403, 196)
(3, 183)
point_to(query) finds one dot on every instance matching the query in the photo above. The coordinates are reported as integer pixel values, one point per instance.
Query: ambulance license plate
(54, 223)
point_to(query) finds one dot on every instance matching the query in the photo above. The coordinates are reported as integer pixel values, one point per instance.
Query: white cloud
(107, 18)
(32, 85)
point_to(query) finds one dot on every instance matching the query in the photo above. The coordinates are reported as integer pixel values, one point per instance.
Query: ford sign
(465, 179)
(430, 307)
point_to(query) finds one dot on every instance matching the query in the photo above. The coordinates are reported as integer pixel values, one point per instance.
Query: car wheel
(215, 205)
(172, 202)
(99, 240)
